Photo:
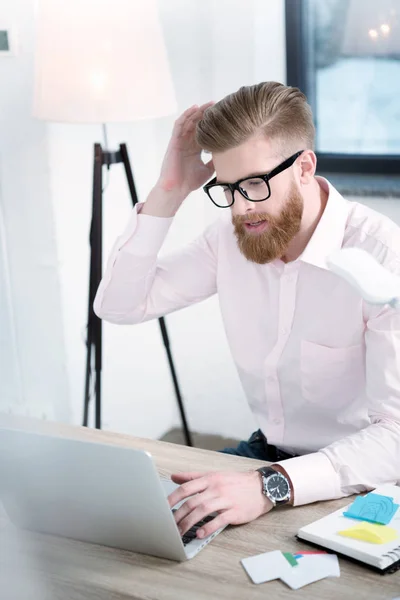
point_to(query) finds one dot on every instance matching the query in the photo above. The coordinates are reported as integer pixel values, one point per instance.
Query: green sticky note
(290, 558)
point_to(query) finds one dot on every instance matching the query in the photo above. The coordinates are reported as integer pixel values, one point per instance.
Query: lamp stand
(94, 324)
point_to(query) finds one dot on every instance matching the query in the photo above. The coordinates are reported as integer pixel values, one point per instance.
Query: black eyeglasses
(255, 189)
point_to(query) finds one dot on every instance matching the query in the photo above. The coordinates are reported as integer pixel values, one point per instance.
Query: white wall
(33, 378)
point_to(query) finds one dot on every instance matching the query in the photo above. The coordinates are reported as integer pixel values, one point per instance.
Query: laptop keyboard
(191, 533)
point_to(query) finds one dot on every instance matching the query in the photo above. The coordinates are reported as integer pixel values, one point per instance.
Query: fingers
(225, 518)
(192, 110)
(189, 125)
(196, 509)
(190, 117)
(206, 105)
(189, 111)
(191, 122)
(187, 489)
(180, 121)
(188, 476)
(193, 510)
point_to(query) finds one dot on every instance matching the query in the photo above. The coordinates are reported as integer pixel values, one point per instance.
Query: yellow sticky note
(370, 532)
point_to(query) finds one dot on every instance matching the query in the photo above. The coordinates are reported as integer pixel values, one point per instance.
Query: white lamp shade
(101, 61)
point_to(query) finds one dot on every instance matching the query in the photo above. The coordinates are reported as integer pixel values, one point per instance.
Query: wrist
(267, 502)
(162, 203)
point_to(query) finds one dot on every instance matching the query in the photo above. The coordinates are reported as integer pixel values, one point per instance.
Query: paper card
(374, 508)
(266, 567)
(290, 558)
(306, 552)
(311, 568)
(370, 532)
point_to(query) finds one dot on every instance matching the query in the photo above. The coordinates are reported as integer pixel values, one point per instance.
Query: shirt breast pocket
(331, 376)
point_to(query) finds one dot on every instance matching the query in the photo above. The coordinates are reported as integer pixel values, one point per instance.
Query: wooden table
(71, 570)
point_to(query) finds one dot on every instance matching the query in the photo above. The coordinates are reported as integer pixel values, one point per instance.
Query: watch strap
(267, 471)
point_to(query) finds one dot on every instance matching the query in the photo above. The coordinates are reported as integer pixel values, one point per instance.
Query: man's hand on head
(236, 496)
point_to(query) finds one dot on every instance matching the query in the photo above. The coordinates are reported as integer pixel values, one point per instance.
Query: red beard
(266, 246)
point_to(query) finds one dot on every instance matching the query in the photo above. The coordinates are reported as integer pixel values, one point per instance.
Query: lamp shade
(100, 61)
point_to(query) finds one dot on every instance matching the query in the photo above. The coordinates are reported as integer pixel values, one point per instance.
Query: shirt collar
(329, 233)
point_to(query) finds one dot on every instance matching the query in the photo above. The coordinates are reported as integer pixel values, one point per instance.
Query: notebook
(384, 557)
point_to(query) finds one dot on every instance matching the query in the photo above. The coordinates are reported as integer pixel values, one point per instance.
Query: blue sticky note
(373, 508)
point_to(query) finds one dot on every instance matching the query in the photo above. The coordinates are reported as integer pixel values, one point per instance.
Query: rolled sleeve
(313, 478)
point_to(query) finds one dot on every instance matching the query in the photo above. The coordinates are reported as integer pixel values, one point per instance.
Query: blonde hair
(279, 112)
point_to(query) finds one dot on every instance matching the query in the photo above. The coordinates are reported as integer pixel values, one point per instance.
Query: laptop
(93, 492)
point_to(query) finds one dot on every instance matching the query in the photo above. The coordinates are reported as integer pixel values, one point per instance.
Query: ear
(308, 165)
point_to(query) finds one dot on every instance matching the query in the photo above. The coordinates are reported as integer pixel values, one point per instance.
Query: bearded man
(320, 367)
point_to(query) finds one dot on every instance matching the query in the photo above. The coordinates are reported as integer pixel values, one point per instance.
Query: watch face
(278, 487)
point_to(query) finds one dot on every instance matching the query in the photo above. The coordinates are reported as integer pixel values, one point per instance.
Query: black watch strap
(267, 471)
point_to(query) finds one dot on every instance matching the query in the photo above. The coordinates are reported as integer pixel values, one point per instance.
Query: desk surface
(74, 570)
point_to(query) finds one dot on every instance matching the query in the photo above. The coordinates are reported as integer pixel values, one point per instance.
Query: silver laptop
(93, 492)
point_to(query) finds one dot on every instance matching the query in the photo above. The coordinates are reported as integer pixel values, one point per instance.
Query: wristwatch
(275, 486)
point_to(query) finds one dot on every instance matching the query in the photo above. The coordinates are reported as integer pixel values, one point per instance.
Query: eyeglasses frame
(288, 162)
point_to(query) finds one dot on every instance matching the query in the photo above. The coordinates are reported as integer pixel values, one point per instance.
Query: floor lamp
(102, 62)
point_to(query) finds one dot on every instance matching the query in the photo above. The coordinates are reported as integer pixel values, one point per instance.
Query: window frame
(297, 29)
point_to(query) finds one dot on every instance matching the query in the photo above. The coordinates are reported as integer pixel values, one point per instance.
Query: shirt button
(285, 331)
(277, 421)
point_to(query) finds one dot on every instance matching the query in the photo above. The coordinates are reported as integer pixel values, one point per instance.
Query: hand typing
(236, 496)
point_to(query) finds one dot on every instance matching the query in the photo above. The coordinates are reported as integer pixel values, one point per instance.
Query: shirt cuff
(144, 234)
(313, 478)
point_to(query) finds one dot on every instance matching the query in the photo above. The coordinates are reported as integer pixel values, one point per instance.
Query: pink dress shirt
(320, 367)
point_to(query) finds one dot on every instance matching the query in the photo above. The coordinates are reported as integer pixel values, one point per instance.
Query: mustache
(241, 219)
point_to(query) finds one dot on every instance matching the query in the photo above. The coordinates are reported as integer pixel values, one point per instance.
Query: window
(345, 56)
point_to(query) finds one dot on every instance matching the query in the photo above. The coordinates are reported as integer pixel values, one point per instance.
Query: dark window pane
(4, 46)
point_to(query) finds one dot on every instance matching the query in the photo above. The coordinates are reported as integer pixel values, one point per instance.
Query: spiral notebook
(324, 533)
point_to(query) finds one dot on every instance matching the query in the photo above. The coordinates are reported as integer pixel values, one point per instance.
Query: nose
(242, 206)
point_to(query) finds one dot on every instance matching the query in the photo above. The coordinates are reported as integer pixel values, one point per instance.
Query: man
(319, 366)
